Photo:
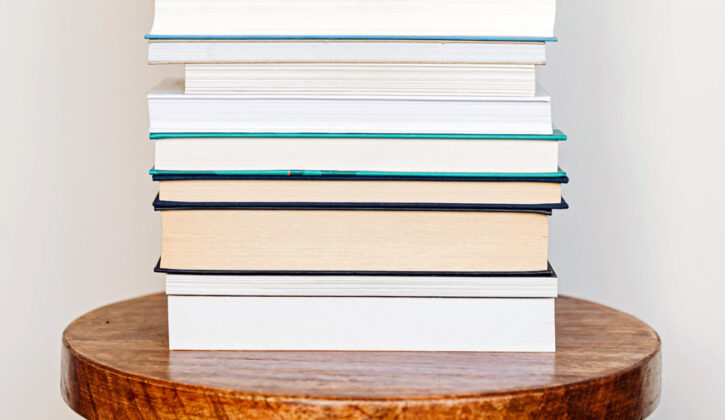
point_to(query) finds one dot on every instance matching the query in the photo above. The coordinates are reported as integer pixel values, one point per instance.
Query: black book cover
(549, 272)
(161, 205)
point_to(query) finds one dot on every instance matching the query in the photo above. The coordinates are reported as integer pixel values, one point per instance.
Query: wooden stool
(116, 365)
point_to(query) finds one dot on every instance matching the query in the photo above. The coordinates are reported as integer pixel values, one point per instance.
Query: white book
(172, 111)
(365, 324)
(544, 286)
(393, 79)
(331, 51)
(463, 18)
(357, 154)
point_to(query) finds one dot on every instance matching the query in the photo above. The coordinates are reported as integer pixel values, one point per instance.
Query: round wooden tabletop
(116, 365)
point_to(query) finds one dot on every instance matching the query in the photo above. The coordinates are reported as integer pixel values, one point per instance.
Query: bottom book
(361, 323)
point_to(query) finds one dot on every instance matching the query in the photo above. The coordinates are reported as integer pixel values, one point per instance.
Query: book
(213, 283)
(380, 79)
(171, 111)
(359, 188)
(468, 19)
(162, 51)
(268, 237)
(359, 323)
(358, 154)
(344, 205)
(293, 190)
(291, 174)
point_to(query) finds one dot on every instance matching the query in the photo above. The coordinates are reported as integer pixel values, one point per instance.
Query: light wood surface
(116, 364)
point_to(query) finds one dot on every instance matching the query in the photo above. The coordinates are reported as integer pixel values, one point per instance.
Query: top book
(531, 20)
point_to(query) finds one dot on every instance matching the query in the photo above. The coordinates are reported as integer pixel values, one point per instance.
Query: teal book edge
(351, 38)
(557, 135)
(290, 172)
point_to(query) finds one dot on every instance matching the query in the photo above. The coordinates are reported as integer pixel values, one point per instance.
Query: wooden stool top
(116, 365)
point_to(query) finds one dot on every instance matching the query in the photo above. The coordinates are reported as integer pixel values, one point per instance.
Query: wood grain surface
(115, 364)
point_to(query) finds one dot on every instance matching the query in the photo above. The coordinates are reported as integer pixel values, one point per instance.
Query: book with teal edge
(153, 37)
(559, 177)
(557, 135)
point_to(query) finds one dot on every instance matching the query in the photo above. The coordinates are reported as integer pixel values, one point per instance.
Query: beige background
(639, 86)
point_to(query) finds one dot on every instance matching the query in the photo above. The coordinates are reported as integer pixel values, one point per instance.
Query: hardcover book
(515, 284)
(373, 153)
(342, 238)
(278, 191)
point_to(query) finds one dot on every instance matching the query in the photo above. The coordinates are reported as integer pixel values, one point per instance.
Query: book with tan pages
(280, 239)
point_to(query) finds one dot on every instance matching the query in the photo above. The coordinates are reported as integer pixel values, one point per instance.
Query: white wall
(639, 86)
(77, 229)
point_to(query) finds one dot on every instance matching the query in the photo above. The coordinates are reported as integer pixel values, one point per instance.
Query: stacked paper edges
(356, 175)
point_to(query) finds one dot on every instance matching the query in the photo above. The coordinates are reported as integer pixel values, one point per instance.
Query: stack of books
(356, 174)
